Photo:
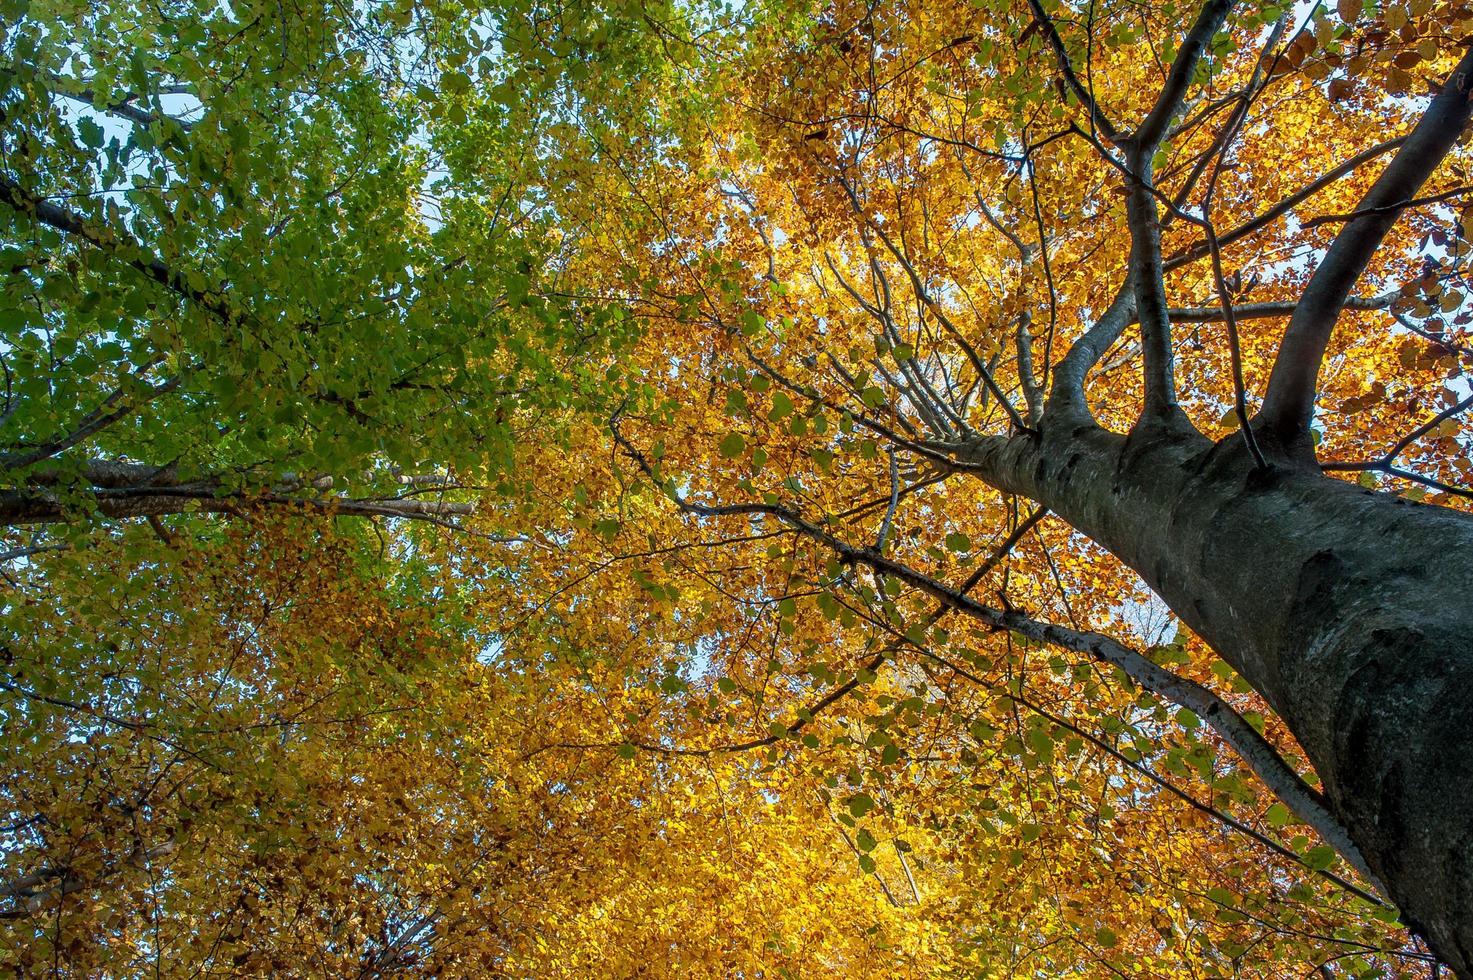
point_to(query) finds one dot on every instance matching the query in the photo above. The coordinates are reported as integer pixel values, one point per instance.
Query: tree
(237, 253)
(849, 285)
(927, 231)
(285, 760)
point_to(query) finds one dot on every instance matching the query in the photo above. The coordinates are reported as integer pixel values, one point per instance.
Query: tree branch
(108, 240)
(1387, 463)
(1097, 117)
(1209, 20)
(1243, 738)
(1289, 403)
(1150, 292)
(123, 490)
(1066, 397)
(1144, 218)
(1257, 223)
(1264, 311)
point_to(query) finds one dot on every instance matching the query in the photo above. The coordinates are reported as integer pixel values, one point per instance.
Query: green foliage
(245, 243)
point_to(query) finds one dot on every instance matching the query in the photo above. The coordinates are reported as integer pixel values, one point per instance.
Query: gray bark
(1348, 609)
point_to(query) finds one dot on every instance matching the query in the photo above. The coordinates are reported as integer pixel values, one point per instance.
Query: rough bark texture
(1348, 609)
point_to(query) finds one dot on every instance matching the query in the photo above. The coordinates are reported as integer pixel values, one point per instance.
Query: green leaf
(782, 406)
(982, 732)
(860, 804)
(957, 541)
(733, 445)
(91, 133)
(1320, 857)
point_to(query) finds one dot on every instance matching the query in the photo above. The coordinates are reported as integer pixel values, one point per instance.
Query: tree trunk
(1351, 611)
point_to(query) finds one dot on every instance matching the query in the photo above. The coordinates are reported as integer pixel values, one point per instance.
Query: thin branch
(98, 419)
(26, 552)
(1165, 784)
(1255, 224)
(1097, 118)
(1387, 463)
(1262, 75)
(1437, 198)
(844, 833)
(1235, 351)
(921, 293)
(1181, 794)
(1053, 297)
(112, 241)
(883, 537)
(1253, 748)
(1262, 311)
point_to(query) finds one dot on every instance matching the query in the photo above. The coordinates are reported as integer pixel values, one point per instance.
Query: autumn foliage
(494, 490)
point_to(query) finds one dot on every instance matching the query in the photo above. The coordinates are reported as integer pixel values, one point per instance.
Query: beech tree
(238, 252)
(1009, 457)
(936, 227)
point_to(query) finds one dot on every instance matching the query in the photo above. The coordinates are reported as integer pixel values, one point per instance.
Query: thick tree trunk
(1351, 611)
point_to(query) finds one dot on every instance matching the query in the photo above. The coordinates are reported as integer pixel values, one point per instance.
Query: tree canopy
(975, 488)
